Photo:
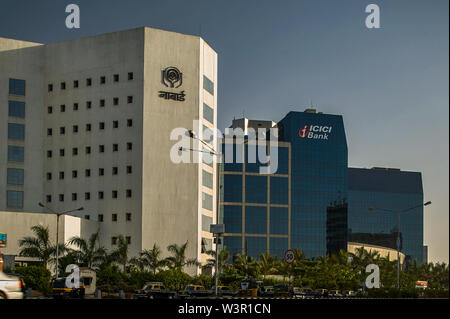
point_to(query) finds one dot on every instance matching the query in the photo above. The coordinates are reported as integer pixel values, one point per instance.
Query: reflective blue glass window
(208, 113)
(279, 190)
(255, 189)
(15, 176)
(208, 85)
(252, 158)
(15, 153)
(255, 246)
(16, 87)
(255, 219)
(16, 108)
(279, 220)
(283, 159)
(232, 218)
(232, 188)
(233, 158)
(16, 131)
(14, 199)
(233, 244)
(278, 247)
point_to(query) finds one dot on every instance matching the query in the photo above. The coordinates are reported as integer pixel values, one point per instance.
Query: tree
(151, 258)
(246, 266)
(120, 254)
(89, 251)
(178, 259)
(223, 258)
(39, 246)
(267, 264)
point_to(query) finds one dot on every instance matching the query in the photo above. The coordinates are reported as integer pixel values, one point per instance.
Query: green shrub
(174, 279)
(36, 277)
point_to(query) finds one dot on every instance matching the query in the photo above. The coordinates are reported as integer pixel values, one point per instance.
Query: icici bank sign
(316, 132)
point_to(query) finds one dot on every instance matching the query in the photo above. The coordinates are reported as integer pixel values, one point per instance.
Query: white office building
(87, 123)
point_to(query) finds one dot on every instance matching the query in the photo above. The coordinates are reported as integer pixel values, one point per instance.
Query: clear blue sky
(390, 84)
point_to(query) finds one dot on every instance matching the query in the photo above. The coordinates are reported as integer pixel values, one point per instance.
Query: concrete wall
(18, 225)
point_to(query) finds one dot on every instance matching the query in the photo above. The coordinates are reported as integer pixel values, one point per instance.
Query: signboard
(217, 228)
(289, 256)
(422, 284)
(3, 240)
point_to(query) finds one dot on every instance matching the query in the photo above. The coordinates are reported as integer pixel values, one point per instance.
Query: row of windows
(76, 106)
(87, 172)
(88, 128)
(76, 83)
(87, 195)
(114, 217)
(101, 149)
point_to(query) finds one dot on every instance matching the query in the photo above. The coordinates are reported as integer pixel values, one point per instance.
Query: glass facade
(251, 209)
(392, 190)
(318, 174)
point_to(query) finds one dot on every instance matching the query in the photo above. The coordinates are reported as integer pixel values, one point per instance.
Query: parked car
(60, 289)
(266, 291)
(321, 293)
(193, 291)
(283, 290)
(10, 287)
(154, 290)
(334, 293)
(223, 291)
(250, 287)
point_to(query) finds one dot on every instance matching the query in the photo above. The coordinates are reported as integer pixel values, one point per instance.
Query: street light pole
(398, 212)
(57, 231)
(217, 235)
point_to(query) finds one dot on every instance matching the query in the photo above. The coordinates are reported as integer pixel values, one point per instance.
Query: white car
(10, 287)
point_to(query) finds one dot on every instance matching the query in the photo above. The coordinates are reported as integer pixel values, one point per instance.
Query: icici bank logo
(315, 131)
(303, 132)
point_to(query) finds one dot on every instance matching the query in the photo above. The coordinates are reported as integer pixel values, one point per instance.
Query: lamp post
(399, 212)
(57, 229)
(217, 229)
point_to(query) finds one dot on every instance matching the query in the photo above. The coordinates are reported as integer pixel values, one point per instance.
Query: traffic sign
(289, 256)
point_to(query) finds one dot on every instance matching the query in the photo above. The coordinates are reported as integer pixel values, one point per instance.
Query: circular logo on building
(172, 77)
(289, 256)
(304, 131)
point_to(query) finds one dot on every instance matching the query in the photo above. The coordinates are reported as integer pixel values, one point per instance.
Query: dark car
(283, 290)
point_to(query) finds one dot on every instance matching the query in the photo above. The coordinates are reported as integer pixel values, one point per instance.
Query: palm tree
(223, 257)
(178, 259)
(151, 258)
(266, 264)
(39, 246)
(89, 251)
(120, 254)
(247, 266)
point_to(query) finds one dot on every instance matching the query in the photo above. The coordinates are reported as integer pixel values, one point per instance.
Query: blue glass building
(255, 207)
(314, 201)
(390, 189)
